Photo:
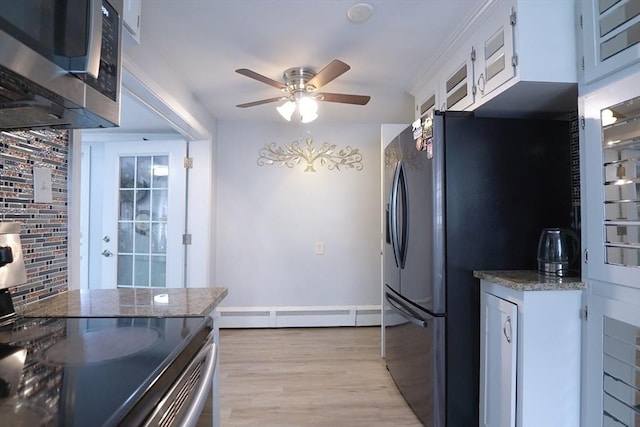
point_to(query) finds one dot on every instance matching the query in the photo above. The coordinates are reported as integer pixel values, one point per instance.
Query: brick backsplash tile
(44, 226)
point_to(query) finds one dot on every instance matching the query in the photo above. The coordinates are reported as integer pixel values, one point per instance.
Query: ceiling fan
(302, 84)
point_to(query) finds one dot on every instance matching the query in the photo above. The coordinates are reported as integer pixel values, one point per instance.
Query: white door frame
(200, 198)
(201, 264)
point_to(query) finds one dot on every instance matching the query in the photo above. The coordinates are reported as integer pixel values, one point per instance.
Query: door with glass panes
(144, 215)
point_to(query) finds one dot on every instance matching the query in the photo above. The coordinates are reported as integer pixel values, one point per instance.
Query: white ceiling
(205, 41)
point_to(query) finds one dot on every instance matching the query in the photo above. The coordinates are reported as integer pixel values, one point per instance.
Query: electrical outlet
(319, 248)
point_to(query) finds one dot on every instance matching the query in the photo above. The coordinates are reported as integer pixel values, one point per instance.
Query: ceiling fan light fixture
(286, 110)
(307, 105)
(308, 118)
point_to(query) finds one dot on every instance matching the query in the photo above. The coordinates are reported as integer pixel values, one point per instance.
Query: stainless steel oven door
(183, 403)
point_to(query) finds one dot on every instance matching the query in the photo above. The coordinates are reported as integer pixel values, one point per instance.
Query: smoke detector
(360, 12)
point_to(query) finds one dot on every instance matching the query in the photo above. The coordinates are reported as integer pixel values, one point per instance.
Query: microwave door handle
(405, 311)
(94, 45)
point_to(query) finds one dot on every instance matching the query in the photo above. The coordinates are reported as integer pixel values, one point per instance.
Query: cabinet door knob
(507, 335)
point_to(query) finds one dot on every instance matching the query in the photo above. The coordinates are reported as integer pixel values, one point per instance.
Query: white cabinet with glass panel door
(494, 50)
(610, 142)
(611, 36)
(529, 46)
(143, 215)
(457, 79)
(612, 375)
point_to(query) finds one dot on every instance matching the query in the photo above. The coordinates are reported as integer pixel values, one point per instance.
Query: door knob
(107, 253)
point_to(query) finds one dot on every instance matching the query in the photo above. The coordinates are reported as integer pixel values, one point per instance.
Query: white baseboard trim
(303, 316)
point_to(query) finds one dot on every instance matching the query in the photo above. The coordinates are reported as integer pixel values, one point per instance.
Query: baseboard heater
(305, 316)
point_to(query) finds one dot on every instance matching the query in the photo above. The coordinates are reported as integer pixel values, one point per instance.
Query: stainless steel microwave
(60, 63)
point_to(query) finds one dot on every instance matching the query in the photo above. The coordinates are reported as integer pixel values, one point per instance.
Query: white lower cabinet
(612, 372)
(499, 320)
(529, 357)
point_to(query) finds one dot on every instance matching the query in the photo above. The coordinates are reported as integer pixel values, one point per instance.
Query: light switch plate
(319, 248)
(42, 185)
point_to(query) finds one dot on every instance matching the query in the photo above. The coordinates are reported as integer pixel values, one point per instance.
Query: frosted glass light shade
(308, 118)
(286, 110)
(307, 106)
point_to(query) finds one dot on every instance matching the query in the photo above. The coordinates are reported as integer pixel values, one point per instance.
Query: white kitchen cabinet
(546, 328)
(496, 58)
(611, 236)
(131, 20)
(527, 52)
(499, 320)
(427, 102)
(457, 80)
(612, 374)
(610, 36)
(525, 60)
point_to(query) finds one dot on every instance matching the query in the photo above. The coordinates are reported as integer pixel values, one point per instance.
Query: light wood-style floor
(325, 377)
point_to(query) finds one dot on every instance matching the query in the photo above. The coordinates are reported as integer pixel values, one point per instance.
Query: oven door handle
(210, 353)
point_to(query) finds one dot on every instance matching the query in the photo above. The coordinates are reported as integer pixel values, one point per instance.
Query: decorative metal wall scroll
(299, 151)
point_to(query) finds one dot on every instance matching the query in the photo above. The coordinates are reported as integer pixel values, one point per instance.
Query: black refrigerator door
(415, 357)
(419, 274)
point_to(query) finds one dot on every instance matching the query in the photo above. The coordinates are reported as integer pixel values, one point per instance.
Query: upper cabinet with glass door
(457, 80)
(513, 43)
(529, 45)
(610, 169)
(621, 170)
(611, 36)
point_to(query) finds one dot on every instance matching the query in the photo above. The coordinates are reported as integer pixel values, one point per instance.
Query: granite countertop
(128, 303)
(530, 280)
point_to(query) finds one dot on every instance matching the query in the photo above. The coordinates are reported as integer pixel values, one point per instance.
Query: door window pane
(127, 172)
(125, 232)
(142, 224)
(141, 270)
(143, 175)
(125, 270)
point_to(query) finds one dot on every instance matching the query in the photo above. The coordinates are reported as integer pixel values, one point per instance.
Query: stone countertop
(128, 303)
(530, 280)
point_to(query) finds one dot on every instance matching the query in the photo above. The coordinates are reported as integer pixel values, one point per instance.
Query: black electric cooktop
(90, 371)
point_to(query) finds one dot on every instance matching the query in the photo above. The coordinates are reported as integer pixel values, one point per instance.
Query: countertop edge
(530, 280)
(183, 302)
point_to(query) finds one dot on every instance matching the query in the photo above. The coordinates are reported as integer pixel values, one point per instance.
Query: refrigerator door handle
(402, 244)
(405, 311)
(393, 215)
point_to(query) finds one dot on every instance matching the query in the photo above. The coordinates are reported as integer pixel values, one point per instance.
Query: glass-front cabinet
(610, 150)
(610, 155)
(611, 36)
(621, 170)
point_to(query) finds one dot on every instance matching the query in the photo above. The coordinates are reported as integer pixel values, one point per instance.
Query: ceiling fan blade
(261, 78)
(334, 69)
(344, 98)
(262, 101)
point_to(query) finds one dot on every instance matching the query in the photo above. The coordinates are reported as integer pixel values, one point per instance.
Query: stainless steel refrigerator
(475, 196)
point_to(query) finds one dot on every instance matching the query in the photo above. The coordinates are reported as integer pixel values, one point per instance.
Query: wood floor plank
(299, 377)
